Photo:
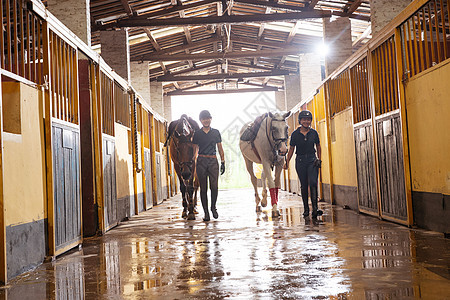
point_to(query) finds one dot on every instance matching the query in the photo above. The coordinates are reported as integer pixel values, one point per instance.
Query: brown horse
(184, 156)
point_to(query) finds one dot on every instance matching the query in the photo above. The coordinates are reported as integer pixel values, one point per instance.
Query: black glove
(222, 168)
(317, 163)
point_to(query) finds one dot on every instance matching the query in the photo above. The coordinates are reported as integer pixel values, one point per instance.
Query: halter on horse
(184, 156)
(269, 149)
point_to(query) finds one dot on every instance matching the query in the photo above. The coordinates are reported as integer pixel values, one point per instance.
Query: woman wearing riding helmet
(307, 164)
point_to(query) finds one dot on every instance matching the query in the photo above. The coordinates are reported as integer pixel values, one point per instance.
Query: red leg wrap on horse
(273, 196)
(277, 189)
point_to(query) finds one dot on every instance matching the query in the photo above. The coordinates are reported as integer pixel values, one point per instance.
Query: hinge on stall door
(405, 76)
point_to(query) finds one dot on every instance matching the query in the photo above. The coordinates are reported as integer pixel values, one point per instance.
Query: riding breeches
(208, 167)
(308, 175)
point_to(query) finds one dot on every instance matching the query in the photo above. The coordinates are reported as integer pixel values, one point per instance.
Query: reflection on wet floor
(247, 255)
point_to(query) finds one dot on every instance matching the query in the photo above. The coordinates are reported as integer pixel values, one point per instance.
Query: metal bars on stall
(425, 37)
(385, 77)
(21, 41)
(360, 91)
(339, 93)
(63, 62)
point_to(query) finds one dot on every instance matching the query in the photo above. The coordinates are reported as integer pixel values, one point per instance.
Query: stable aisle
(245, 255)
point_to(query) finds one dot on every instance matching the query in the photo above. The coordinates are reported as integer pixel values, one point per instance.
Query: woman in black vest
(307, 164)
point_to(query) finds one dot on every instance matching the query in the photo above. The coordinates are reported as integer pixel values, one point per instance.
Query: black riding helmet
(204, 114)
(304, 114)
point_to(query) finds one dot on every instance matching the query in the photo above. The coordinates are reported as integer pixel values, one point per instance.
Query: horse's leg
(264, 189)
(196, 186)
(249, 166)
(278, 169)
(184, 196)
(273, 193)
(190, 193)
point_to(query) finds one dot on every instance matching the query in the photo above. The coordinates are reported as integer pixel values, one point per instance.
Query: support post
(404, 128)
(3, 258)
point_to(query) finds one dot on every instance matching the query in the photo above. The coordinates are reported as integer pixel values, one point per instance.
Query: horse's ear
(271, 115)
(286, 114)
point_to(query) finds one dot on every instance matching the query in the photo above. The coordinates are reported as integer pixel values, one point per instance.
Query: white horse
(268, 148)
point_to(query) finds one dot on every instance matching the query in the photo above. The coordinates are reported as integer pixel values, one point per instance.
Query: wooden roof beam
(262, 26)
(127, 7)
(234, 91)
(171, 50)
(353, 7)
(221, 76)
(248, 66)
(234, 19)
(312, 4)
(195, 68)
(156, 46)
(272, 4)
(221, 55)
(352, 16)
(246, 40)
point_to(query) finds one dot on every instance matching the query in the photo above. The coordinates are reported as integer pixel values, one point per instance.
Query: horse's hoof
(258, 209)
(184, 214)
(191, 216)
(275, 214)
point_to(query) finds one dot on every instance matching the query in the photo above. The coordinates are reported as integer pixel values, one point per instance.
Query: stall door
(391, 168)
(148, 178)
(164, 177)
(66, 167)
(365, 167)
(109, 183)
(159, 188)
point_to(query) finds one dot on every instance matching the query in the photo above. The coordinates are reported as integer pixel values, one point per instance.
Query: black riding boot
(204, 199)
(314, 201)
(214, 194)
(305, 201)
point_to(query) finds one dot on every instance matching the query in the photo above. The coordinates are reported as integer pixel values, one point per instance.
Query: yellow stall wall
(344, 160)
(23, 156)
(124, 168)
(428, 116)
(428, 109)
(343, 150)
(324, 147)
(23, 177)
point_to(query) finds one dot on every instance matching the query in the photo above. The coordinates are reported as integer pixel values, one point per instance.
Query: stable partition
(367, 114)
(62, 132)
(69, 124)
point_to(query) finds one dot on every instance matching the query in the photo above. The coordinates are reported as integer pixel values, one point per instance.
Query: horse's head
(187, 158)
(279, 131)
(183, 129)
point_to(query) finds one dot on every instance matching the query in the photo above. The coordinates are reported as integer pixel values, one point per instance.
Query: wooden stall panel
(109, 183)
(363, 136)
(390, 161)
(148, 176)
(66, 167)
(164, 174)
(159, 170)
(365, 166)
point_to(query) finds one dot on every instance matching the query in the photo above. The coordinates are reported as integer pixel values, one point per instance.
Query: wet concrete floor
(245, 255)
